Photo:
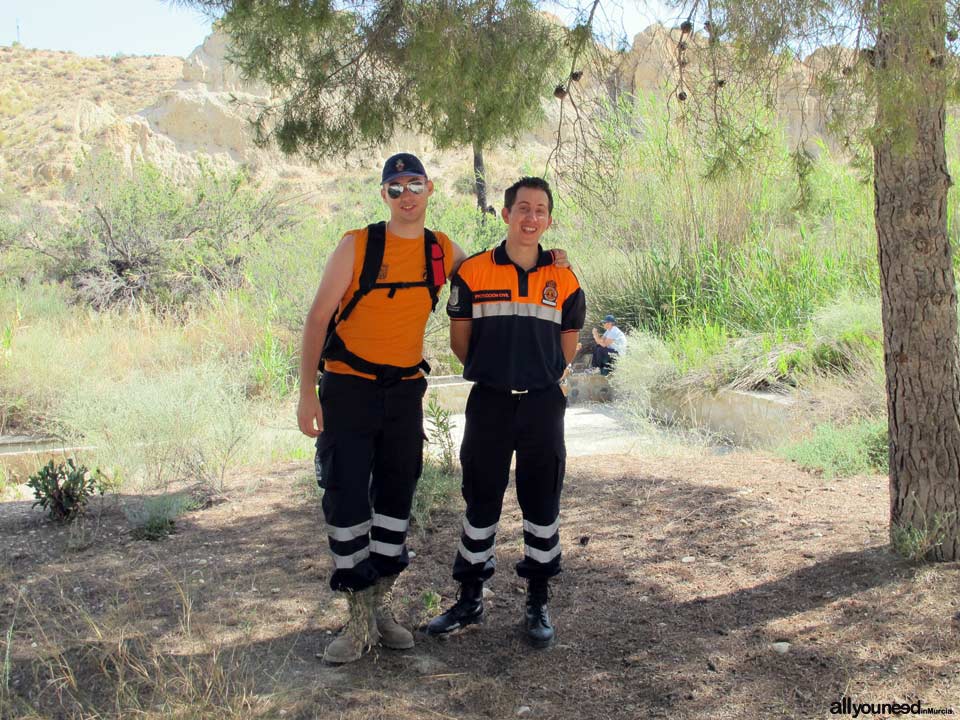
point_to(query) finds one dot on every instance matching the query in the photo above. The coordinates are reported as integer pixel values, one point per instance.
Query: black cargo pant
(499, 423)
(603, 358)
(369, 457)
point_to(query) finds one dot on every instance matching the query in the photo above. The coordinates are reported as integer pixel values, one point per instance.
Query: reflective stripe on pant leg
(344, 456)
(345, 503)
(477, 545)
(390, 534)
(541, 460)
(398, 461)
(541, 543)
(485, 456)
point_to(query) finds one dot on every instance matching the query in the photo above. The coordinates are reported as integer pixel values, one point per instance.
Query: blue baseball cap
(401, 165)
(610, 319)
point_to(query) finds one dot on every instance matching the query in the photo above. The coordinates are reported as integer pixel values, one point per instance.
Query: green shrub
(842, 338)
(459, 218)
(464, 184)
(63, 489)
(155, 518)
(842, 451)
(142, 239)
(274, 365)
(281, 277)
(440, 434)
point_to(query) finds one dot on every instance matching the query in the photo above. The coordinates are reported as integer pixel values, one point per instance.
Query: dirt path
(680, 577)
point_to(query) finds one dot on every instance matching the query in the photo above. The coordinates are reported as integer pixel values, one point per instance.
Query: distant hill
(56, 106)
(52, 103)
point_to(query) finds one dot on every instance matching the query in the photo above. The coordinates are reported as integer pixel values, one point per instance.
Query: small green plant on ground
(155, 518)
(431, 601)
(440, 477)
(307, 487)
(440, 434)
(434, 490)
(916, 544)
(842, 451)
(63, 489)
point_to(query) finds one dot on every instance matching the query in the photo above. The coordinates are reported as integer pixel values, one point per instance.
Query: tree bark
(480, 177)
(918, 288)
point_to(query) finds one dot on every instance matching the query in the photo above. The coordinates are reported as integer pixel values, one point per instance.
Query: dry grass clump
(61, 656)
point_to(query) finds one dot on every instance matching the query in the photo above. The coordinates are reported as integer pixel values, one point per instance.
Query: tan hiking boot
(392, 634)
(359, 634)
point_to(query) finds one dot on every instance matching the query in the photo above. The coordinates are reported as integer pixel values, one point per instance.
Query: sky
(155, 27)
(103, 27)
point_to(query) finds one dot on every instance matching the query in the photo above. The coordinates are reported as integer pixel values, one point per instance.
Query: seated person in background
(609, 345)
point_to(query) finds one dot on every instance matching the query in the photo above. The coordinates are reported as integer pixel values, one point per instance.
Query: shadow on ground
(675, 590)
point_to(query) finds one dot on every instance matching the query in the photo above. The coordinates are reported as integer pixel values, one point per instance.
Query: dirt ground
(684, 577)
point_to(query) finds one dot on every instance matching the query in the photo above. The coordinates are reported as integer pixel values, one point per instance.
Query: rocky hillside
(57, 107)
(53, 104)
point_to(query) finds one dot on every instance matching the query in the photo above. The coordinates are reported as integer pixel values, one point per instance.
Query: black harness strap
(385, 374)
(372, 260)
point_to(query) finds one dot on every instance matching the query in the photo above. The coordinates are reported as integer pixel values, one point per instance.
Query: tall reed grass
(671, 249)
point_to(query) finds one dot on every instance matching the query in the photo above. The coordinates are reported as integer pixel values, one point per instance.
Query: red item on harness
(437, 272)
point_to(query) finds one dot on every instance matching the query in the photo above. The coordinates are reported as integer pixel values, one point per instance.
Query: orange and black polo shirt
(518, 316)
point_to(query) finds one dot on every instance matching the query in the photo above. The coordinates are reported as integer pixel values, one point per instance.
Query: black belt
(513, 391)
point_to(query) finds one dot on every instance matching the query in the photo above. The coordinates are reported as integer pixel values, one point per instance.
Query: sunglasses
(395, 190)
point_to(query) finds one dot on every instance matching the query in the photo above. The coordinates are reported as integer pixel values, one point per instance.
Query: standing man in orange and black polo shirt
(515, 319)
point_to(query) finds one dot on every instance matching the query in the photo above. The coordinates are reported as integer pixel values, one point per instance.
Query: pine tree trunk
(917, 279)
(480, 177)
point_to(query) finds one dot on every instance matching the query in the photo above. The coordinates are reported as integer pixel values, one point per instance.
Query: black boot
(540, 631)
(466, 611)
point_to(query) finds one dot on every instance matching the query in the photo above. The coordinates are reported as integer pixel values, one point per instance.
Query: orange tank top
(382, 329)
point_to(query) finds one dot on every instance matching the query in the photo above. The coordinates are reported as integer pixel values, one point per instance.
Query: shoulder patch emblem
(454, 301)
(550, 294)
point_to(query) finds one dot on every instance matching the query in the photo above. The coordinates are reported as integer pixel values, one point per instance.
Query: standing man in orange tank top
(367, 322)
